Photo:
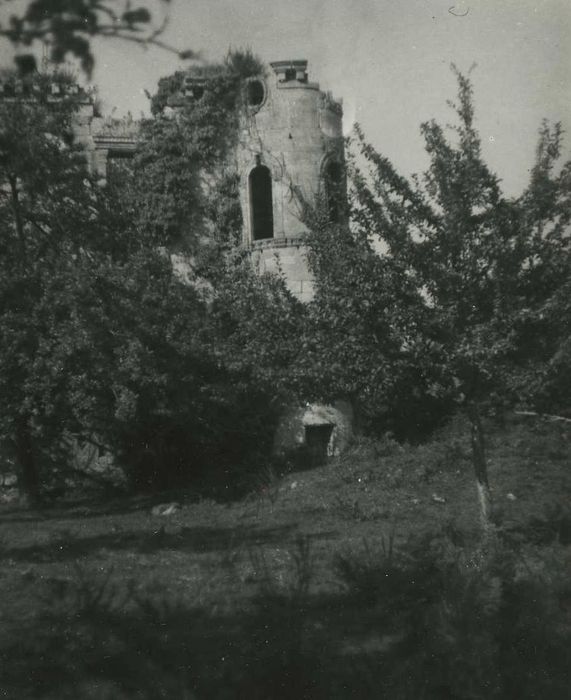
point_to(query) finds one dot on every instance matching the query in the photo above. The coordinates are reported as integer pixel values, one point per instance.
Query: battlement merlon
(293, 74)
(290, 70)
(13, 87)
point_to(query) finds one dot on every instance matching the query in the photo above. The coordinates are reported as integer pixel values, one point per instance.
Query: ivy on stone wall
(185, 188)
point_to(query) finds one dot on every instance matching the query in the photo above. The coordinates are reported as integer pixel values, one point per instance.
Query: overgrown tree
(100, 339)
(459, 296)
(48, 213)
(105, 339)
(365, 332)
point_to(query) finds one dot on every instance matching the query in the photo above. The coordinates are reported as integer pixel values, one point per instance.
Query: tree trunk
(480, 466)
(18, 216)
(28, 478)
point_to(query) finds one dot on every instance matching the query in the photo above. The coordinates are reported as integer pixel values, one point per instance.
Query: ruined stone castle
(290, 149)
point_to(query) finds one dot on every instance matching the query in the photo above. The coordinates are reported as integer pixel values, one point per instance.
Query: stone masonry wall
(294, 132)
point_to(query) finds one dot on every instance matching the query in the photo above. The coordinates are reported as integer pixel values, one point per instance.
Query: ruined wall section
(102, 138)
(294, 130)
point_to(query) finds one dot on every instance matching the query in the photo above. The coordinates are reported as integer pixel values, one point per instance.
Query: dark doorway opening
(316, 440)
(261, 206)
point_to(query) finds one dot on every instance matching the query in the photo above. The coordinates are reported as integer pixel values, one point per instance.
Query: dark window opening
(334, 191)
(261, 207)
(317, 440)
(119, 154)
(193, 87)
(290, 74)
(256, 93)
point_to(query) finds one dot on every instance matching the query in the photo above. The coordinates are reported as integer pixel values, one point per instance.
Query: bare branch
(545, 416)
(67, 31)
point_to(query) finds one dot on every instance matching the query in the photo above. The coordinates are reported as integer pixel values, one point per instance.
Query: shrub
(468, 625)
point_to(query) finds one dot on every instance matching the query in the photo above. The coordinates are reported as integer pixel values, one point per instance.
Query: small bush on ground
(462, 624)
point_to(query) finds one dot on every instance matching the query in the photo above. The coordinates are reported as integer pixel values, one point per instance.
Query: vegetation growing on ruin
(185, 190)
(106, 345)
(444, 321)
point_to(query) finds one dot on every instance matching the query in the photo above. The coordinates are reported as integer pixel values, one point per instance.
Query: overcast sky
(389, 61)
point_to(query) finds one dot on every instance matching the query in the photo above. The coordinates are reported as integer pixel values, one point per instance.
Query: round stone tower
(290, 150)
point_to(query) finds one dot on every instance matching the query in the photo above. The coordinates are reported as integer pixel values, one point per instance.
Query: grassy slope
(259, 598)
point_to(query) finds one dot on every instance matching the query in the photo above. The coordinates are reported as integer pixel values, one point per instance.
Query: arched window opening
(261, 207)
(255, 93)
(334, 191)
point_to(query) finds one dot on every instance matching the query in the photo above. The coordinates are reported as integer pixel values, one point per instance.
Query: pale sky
(389, 61)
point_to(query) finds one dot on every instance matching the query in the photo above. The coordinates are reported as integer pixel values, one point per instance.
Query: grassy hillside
(366, 577)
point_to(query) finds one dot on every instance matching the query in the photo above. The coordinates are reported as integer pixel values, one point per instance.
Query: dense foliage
(55, 226)
(367, 342)
(465, 306)
(183, 170)
(104, 338)
(99, 337)
(131, 319)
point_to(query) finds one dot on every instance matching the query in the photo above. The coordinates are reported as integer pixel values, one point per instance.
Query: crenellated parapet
(51, 89)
